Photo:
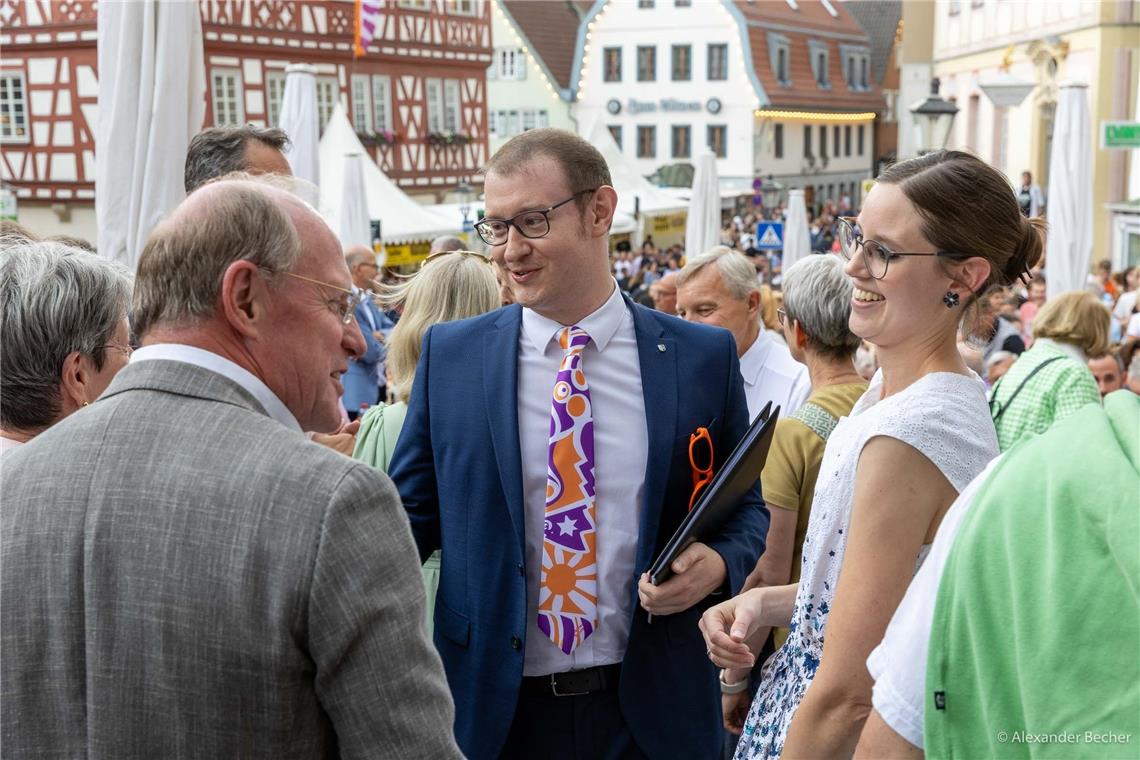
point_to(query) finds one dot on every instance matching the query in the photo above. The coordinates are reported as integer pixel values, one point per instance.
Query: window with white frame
(510, 63)
(647, 142)
(493, 123)
(13, 107)
(328, 93)
(611, 58)
(227, 97)
(509, 124)
(779, 52)
(415, 5)
(462, 7)
(529, 120)
(718, 62)
(682, 141)
(819, 63)
(433, 91)
(382, 103)
(718, 140)
(451, 113)
(646, 63)
(361, 104)
(274, 94)
(855, 64)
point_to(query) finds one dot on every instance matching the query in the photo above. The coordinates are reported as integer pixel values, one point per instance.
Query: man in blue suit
(546, 452)
(365, 376)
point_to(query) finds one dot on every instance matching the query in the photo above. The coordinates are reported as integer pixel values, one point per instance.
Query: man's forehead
(531, 185)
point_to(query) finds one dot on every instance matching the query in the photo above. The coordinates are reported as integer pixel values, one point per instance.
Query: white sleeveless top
(944, 416)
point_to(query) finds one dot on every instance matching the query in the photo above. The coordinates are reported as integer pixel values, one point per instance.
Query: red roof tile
(552, 29)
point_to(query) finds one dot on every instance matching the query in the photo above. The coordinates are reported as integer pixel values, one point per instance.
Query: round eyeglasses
(530, 224)
(876, 256)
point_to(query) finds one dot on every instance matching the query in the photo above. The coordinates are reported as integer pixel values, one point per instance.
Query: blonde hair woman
(1052, 380)
(451, 285)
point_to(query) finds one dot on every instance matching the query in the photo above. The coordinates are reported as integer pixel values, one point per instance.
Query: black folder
(719, 500)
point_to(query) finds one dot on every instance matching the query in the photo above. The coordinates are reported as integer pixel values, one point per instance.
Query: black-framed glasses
(531, 224)
(876, 256)
(345, 306)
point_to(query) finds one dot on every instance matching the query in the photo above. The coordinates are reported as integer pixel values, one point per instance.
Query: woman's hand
(728, 626)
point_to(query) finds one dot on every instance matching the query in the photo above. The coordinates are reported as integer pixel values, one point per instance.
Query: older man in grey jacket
(183, 573)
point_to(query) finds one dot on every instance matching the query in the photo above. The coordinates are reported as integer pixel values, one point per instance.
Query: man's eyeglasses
(530, 224)
(344, 306)
(124, 350)
(700, 462)
(781, 315)
(876, 256)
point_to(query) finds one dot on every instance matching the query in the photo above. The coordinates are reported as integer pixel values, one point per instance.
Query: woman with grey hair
(63, 325)
(817, 307)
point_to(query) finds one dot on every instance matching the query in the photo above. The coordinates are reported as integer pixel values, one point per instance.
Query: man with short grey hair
(218, 151)
(184, 574)
(364, 381)
(719, 288)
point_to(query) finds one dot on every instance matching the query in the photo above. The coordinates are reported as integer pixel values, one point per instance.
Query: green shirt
(1051, 394)
(1035, 644)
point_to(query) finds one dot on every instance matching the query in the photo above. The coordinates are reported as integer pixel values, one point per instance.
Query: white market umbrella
(299, 121)
(1068, 248)
(355, 226)
(797, 237)
(152, 88)
(702, 227)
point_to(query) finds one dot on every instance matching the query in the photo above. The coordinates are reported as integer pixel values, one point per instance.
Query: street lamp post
(935, 116)
(465, 193)
(770, 191)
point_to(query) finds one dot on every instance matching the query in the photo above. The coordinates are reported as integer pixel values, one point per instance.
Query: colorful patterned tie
(568, 588)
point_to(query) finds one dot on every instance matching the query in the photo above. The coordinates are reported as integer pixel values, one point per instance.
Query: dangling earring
(951, 299)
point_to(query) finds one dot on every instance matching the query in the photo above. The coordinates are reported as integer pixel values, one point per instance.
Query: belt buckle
(557, 693)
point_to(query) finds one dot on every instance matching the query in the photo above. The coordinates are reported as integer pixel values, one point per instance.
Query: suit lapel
(659, 388)
(500, 386)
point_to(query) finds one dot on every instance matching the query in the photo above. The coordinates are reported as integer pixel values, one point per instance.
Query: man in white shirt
(719, 288)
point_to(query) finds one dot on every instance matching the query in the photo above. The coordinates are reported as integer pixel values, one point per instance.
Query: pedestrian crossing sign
(770, 236)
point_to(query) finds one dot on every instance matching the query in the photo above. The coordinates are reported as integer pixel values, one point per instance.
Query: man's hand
(343, 440)
(698, 571)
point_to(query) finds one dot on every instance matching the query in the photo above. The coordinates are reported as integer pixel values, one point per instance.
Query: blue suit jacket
(361, 383)
(458, 469)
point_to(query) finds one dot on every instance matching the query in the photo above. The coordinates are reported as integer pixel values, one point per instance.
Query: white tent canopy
(355, 226)
(634, 191)
(402, 220)
(299, 121)
(797, 237)
(152, 88)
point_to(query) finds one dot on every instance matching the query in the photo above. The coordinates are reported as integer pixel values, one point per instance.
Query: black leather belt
(574, 682)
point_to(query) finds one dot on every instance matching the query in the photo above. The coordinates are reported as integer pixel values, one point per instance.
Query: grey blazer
(182, 576)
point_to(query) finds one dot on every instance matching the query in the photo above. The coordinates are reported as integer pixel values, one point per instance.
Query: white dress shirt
(178, 352)
(621, 444)
(771, 374)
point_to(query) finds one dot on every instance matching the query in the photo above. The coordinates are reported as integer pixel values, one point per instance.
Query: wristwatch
(732, 688)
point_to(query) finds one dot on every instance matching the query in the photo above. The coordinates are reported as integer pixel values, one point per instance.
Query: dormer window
(819, 63)
(856, 64)
(779, 57)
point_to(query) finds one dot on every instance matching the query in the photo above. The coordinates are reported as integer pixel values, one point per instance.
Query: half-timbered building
(417, 97)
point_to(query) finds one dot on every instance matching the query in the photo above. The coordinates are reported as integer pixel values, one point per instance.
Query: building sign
(1116, 135)
(662, 225)
(668, 105)
(407, 254)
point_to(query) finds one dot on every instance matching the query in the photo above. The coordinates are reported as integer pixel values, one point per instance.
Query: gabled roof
(551, 29)
(880, 20)
(810, 21)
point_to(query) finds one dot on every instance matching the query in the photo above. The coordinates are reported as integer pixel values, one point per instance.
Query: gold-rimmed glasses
(439, 254)
(124, 350)
(345, 307)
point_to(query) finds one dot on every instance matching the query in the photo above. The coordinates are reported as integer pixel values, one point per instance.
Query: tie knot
(572, 339)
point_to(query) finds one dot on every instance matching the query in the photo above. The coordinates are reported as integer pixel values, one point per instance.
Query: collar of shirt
(600, 325)
(1066, 348)
(754, 359)
(208, 360)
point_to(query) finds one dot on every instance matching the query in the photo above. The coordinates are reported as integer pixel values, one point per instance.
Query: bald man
(664, 294)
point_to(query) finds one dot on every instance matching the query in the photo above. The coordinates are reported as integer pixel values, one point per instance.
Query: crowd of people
(263, 499)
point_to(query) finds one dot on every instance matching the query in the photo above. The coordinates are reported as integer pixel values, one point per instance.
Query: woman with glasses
(934, 233)
(451, 285)
(63, 325)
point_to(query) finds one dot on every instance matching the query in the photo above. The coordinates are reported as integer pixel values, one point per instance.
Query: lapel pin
(661, 347)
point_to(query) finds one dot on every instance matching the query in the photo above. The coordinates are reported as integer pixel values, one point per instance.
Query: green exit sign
(1119, 134)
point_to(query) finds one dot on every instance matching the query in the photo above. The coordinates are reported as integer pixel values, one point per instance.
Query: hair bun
(1029, 249)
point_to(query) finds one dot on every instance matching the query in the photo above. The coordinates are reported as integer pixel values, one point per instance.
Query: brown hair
(1077, 318)
(218, 151)
(583, 165)
(180, 270)
(968, 208)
